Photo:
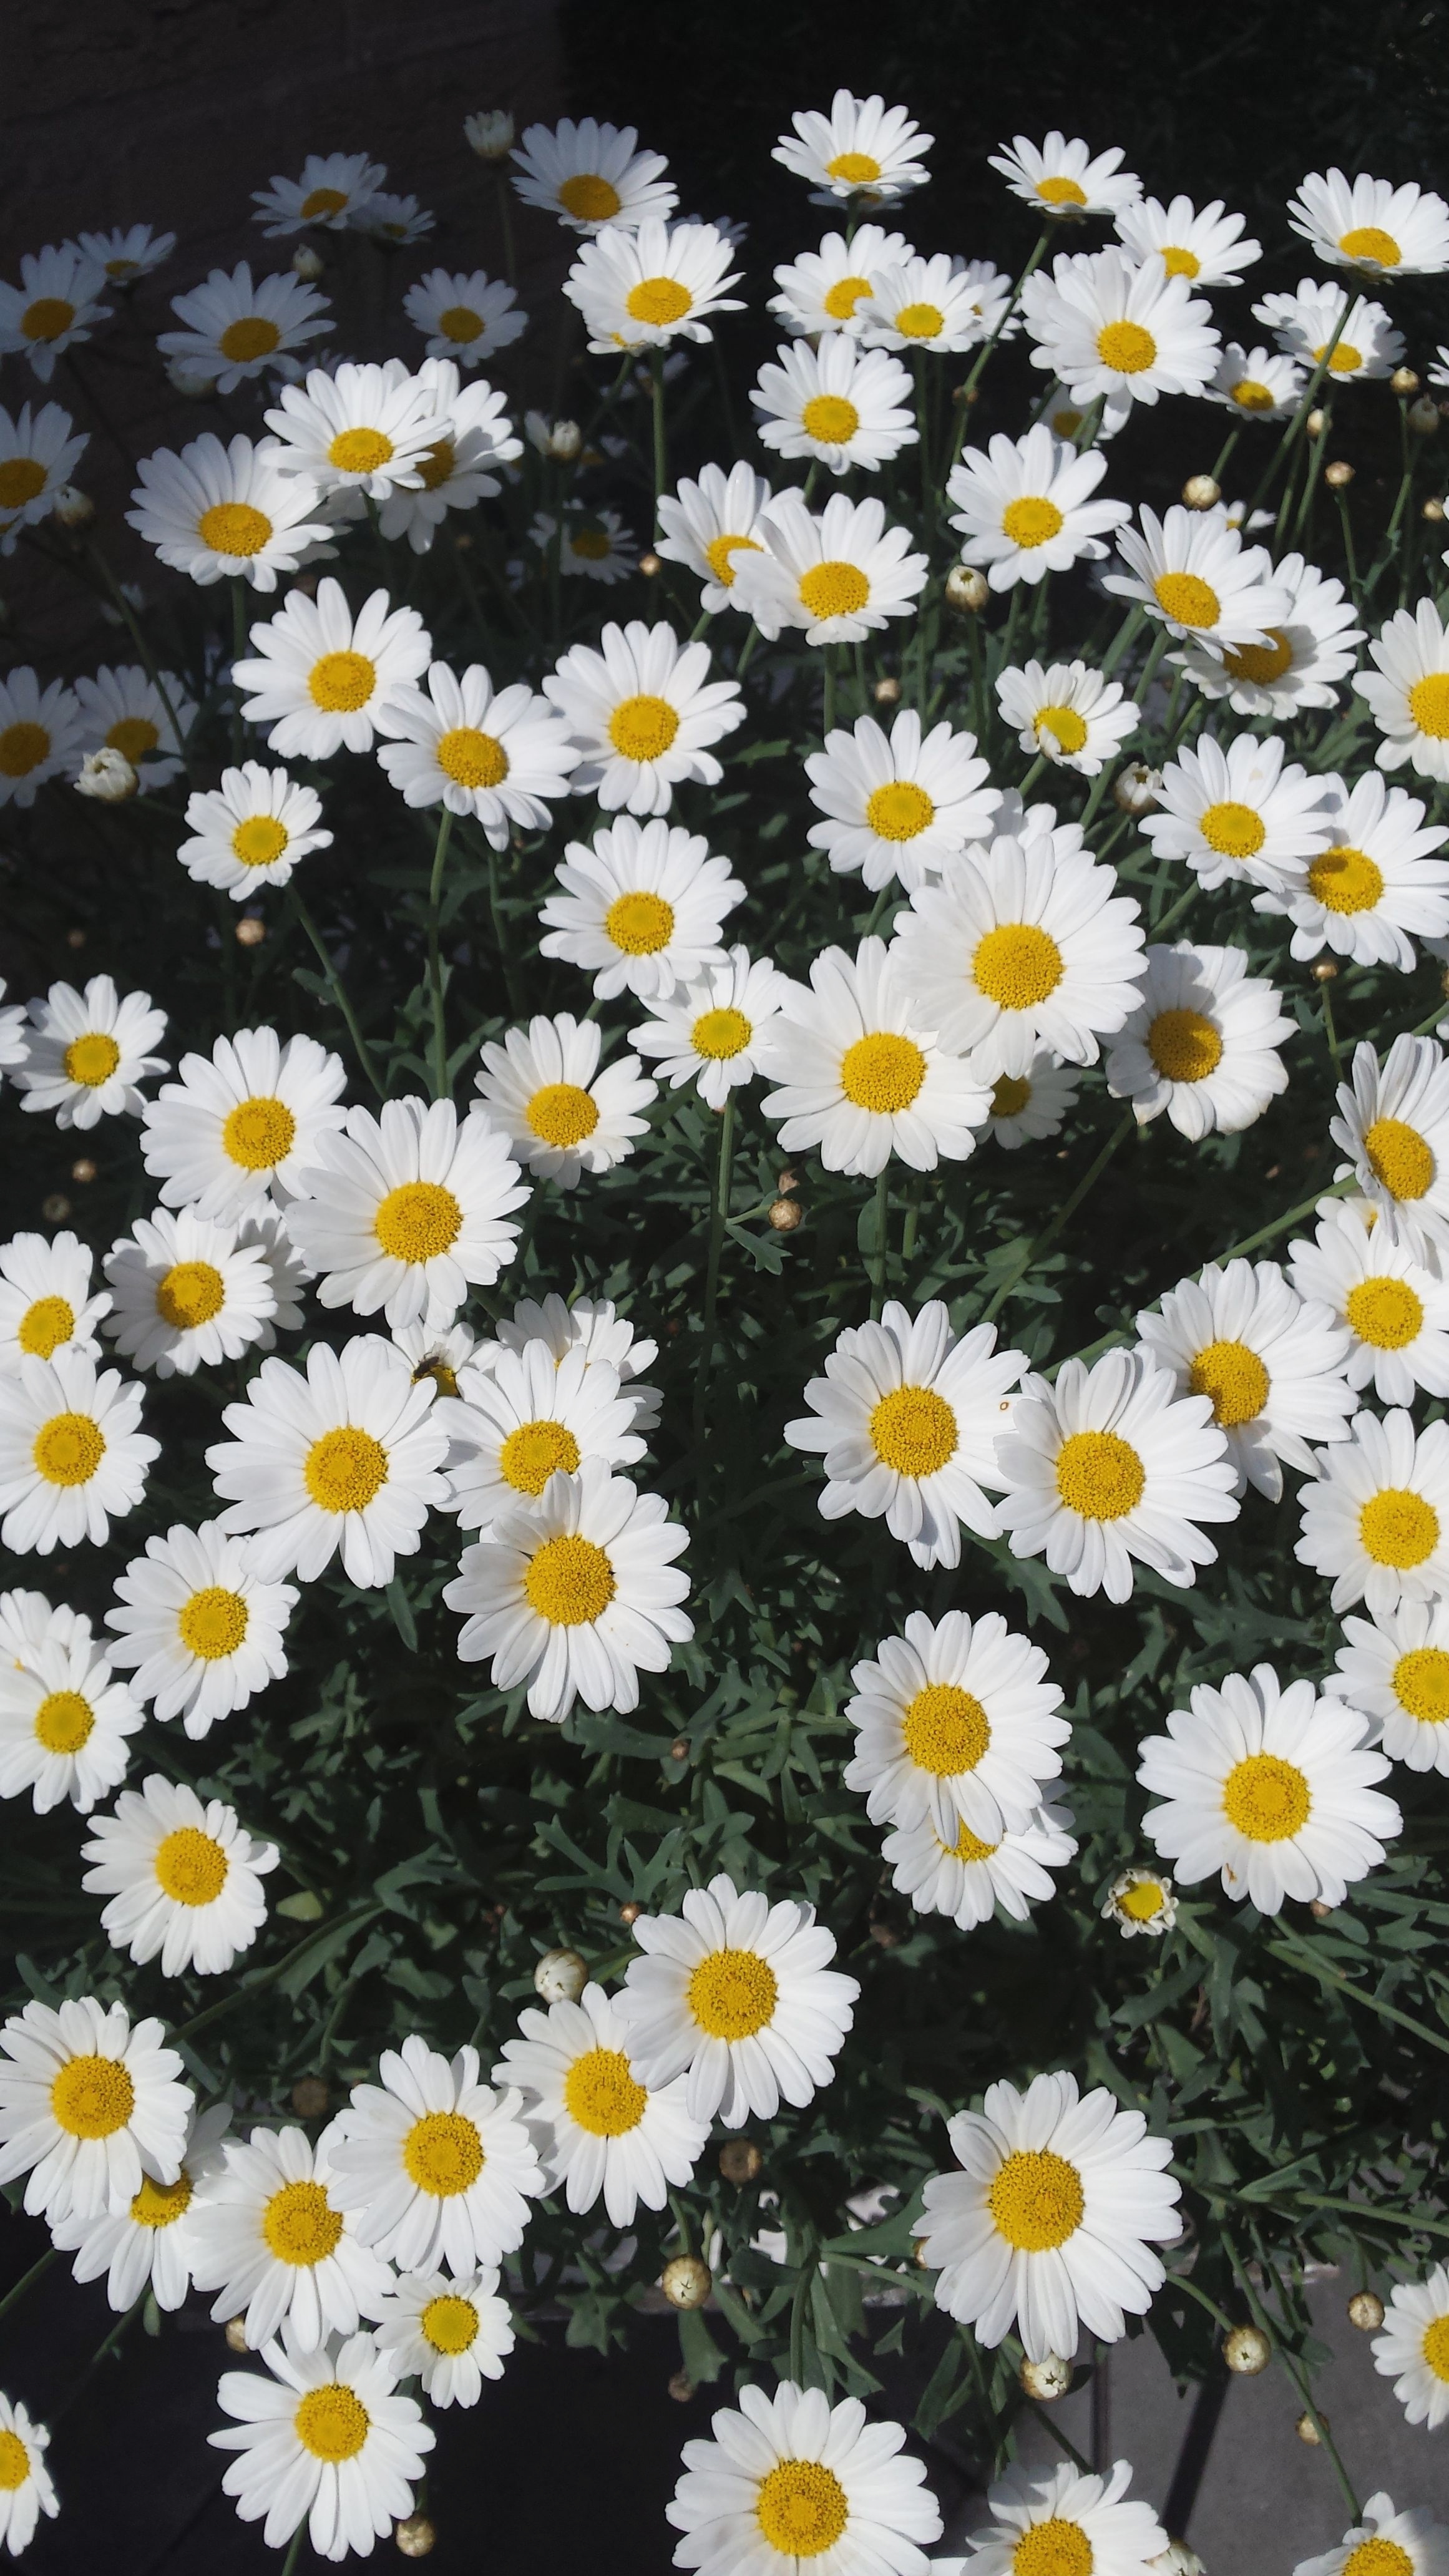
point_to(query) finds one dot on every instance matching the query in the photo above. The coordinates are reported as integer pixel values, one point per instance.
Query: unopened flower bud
(416, 2536)
(1423, 417)
(560, 1977)
(490, 133)
(1432, 510)
(1366, 2311)
(1047, 2380)
(783, 1215)
(679, 1749)
(1325, 971)
(561, 439)
(887, 692)
(1338, 475)
(681, 2387)
(236, 2334)
(307, 263)
(1246, 2351)
(83, 1170)
(1307, 2431)
(1403, 381)
(1319, 1911)
(310, 2096)
(107, 775)
(740, 2160)
(1176, 2560)
(1135, 789)
(967, 590)
(251, 930)
(649, 565)
(1200, 492)
(74, 509)
(56, 1208)
(1314, 424)
(686, 2282)
(75, 938)
(630, 1913)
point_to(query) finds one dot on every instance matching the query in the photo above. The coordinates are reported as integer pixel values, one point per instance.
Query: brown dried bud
(1338, 475)
(649, 565)
(967, 590)
(784, 1215)
(1432, 510)
(1200, 492)
(740, 2160)
(1307, 2431)
(686, 2281)
(789, 1180)
(885, 1935)
(1366, 2311)
(1325, 971)
(1319, 1911)
(83, 1169)
(1423, 417)
(679, 1749)
(1314, 424)
(681, 2388)
(55, 1208)
(1246, 2351)
(560, 1977)
(75, 939)
(310, 2096)
(1403, 381)
(415, 2537)
(1135, 789)
(251, 930)
(630, 1913)
(236, 2334)
(887, 692)
(1047, 2380)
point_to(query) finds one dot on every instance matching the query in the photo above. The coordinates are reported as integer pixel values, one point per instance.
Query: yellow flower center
(1009, 1095)
(91, 1060)
(1386, 1313)
(323, 201)
(841, 299)
(733, 1993)
(472, 758)
(44, 1326)
(1143, 1900)
(360, 451)
(720, 550)
(1421, 1687)
(1053, 2548)
(899, 811)
(1061, 192)
(1398, 1158)
(460, 324)
(601, 2095)
(569, 1582)
(1036, 2200)
(1017, 966)
(1435, 2346)
(1179, 262)
(1249, 395)
(1065, 725)
(946, 1730)
(190, 1294)
(1031, 521)
(449, 2324)
(260, 841)
(920, 321)
(721, 1034)
(1378, 2557)
(345, 1469)
(63, 1722)
(1260, 662)
(332, 2422)
(92, 2097)
(536, 1451)
(590, 544)
(1397, 1527)
(834, 590)
(1345, 880)
(160, 2204)
(801, 2507)
(1429, 704)
(640, 924)
(213, 1623)
(1370, 241)
(1184, 1046)
(340, 683)
(22, 748)
(1345, 361)
(1234, 831)
(882, 1073)
(1187, 600)
(259, 1133)
(658, 301)
(830, 419)
(436, 463)
(191, 1867)
(444, 1378)
(914, 1430)
(443, 2154)
(47, 317)
(643, 728)
(1100, 1475)
(21, 478)
(14, 2461)
(968, 1846)
(588, 198)
(857, 167)
(562, 1114)
(418, 1221)
(1235, 1378)
(1126, 348)
(68, 1449)
(250, 336)
(300, 2224)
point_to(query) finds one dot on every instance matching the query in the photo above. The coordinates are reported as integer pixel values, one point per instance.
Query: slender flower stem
(827, 715)
(16, 2293)
(435, 957)
(719, 1213)
(656, 364)
(1294, 431)
(505, 224)
(1125, 635)
(978, 371)
(338, 990)
(295, 2551)
(238, 587)
(149, 663)
(879, 1258)
(1223, 454)
(1042, 1242)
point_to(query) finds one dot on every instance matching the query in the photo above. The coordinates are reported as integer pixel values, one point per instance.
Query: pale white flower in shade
(88, 1053)
(1064, 418)
(900, 805)
(1023, 946)
(342, 1460)
(237, 330)
(251, 831)
(1111, 332)
(956, 1722)
(28, 1622)
(1112, 1465)
(966, 1877)
(940, 303)
(1270, 1786)
(590, 1325)
(1413, 2350)
(46, 1304)
(1408, 694)
(1374, 883)
(861, 1074)
(1303, 660)
(1059, 177)
(437, 1354)
(602, 2133)
(187, 1293)
(1024, 506)
(641, 908)
(1370, 224)
(1067, 714)
(1393, 1123)
(55, 307)
(437, 2165)
(1256, 384)
(183, 1878)
(863, 150)
(642, 714)
(826, 289)
(124, 710)
(836, 402)
(215, 511)
(196, 1627)
(147, 2246)
(321, 677)
(739, 1995)
(72, 1459)
(1376, 1516)
(397, 221)
(1067, 2517)
(450, 2332)
(1394, 1308)
(529, 1416)
(361, 429)
(714, 1031)
(841, 577)
(592, 175)
(790, 2481)
(14, 1045)
(1205, 247)
(241, 1122)
(1202, 1043)
(704, 525)
(331, 190)
(1141, 1904)
(325, 2441)
(1274, 1365)
(1395, 1671)
(575, 1594)
(1192, 573)
(37, 457)
(40, 735)
(641, 289)
(106, 775)
(1049, 2222)
(89, 2105)
(407, 1211)
(28, 2490)
(593, 545)
(1401, 2544)
(276, 2232)
(127, 251)
(464, 315)
(1315, 319)
(564, 1115)
(497, 755)
(907, 1418)
(470, 434)
(65, 1720)
(1026, 1107)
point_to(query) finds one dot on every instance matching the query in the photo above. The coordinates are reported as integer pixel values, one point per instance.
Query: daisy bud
(1200, 492)
(630, 1913)
(649, 565)
(1177, 2560)
(679, 1749)
(307, 263)
(1307, 2431)
(415, 2537)
(1136, 788)
(1246, 2351)
(560, 1977)
(84, 1170)
(310, 2097)
(681, 2388)
(193, 382)
(784, 1215)
(789, 1180)
(1319, 1911)
(740, 2160)
(686, 2282)
(967, 590)
(1366, 2311)
(1423, 417)
(1325, 971)
(888, 692)
(55, 1208)
(1046, 2380)
(251, 930)
(1432, 510)
(1403, 381)
(107, 775)
(1338, 475)
(1314, 424)
(490, 133)
(75, 939)
(73, 508)
(236, 2334)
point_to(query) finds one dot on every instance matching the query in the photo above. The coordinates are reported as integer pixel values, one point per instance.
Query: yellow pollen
(946, 1730)
(1345, 361)
(471, 758)
(1399, 1159)
(857, 167)
(1235, 1378)
(190, 1294)
(63, 1722)
(834, 589)
(1187, 600)
(260, 841)
(160, 2204)
(658, 301)
(1260, 662)
(444, 1378)
(323, 201)
(968, 1846)
(47, 318)
(640, 924)
(340, 683)
(133, 737)
(92, 2097)
(213, 1623)
(570, 1582)
(1031, 521)
(14, 2462)
(643, 728)
(69, 1449)
(1017, 966)
(22, 748)
(1429, 704)
(1142, 1901)
(536, 1451)
(1369, 241)
(1053, 2548)
(22, 478)
(300, 2224)
(419, 1221)
(345, 1469)
(1180, 263)
(1421, 1687)
(1386, 1313)
(882, 1073)
(360, 451)
(841, 299)
(601, 2095)
(588, 198)
(1397, 1527)
(1435, 2346)
(1266, 1799)
(1100, 1476)
(721, 1034)
(332, 2423)
(899, 811)
(1036, 2200)
(1066, 422)
(830, 419)
(91, 1060)
(1345, 880)
(449, 2323)
(1009, 1095)
(920, 321)
(719, 554)
(1065, 725)
(1249, 395)
(801, 2507)
(460, 324)
(436, 462)
(1379, 2557)
(914, 1431)
(191, 1867)
(45, 1325)
(562, 1114)
(443, 2154)
(1126, 348)
(234, 528)
(733, 1993)
(259, 1133)
(251, 336)
(1184, 1046)
(1061, 192)
(591, 545)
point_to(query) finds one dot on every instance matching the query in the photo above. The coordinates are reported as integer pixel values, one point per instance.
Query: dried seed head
(686, 2282)
(1246, 2351)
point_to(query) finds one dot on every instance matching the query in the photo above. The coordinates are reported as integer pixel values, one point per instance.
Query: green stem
(295, 2551)
(1125, 634)
(1042, 1242)
(238, 649)
(1329, 1031)
(505, 224)
(978, 371)
(435, 957)
(656, 362)
(1283, 451)
(882, 1220)
(264, 1977)
(338, 990)
(719, 1212)
(1046, 2417)
(42, 2263)
(827, 712)
(1299, 1954)
(797, 2320)
(127, 614)
(1224, 452)
(1341, 497)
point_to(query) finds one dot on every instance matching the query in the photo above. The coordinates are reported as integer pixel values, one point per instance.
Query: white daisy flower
(14, 1043)
(323, 678)
(1408, 695)
(1303, 660)
(862, 151)
(1049, 2223)
(198, 1629)
(789, 2480)
(966, 1877)
(1024, 946)
(471, 433)
(28, 1621)
(940, 303)
(1393, 1123)
(127, 252)
(452, 2334)
(406, 1211)
(124, 710)
(184, 1880)
(907, 1417)
(1202, 1043)
(1255, 384)
(527, 1417)
(1236, 811)
(1081, 2521)
(1206, 248)
(576, 1594)
(835, 402)
(55, 306)
(563, 1116)
(641, 289)
(1025, 508)
(956, 1723)
(603, 2134)
(642, 715)
(187, 1294)
(1111, 1464)
(642, 908)
(464, 315)
(46, 1305)
(1365, 345)
(1112, 332)
(704, 525)
(88, 1053)
(590, 1325)
(1373, 884)
(251, 831)
(1026, 1107)
(333, 188)
(245, 1120)
(38, 455)
(362, 429)
(27, 2489)
(71, 1456)
(1370, 224)
(89, 2106)
(1273, 1366)
(1419, 2545)
(216, 511)
(591, 175)
(343, 1460)
(1062, 178)
(1376, 1517)
(1396, 1310)
(899, 805)
(438, 2167)
(825, 289)
(714, 1031)
(147, 2246)
(276, 2232)
(1068, 714)
(326, 2441)
(497, 755)
(65, 1720)
(1194, 575)
(397, 221)
(740, 1996)
(860, 1078)
(40, 730)
(594, 545)
(1141, 1904)
(1413, 2349)
(1395, 1671)
(841, 577)
(438, 1355)
(237, 330)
